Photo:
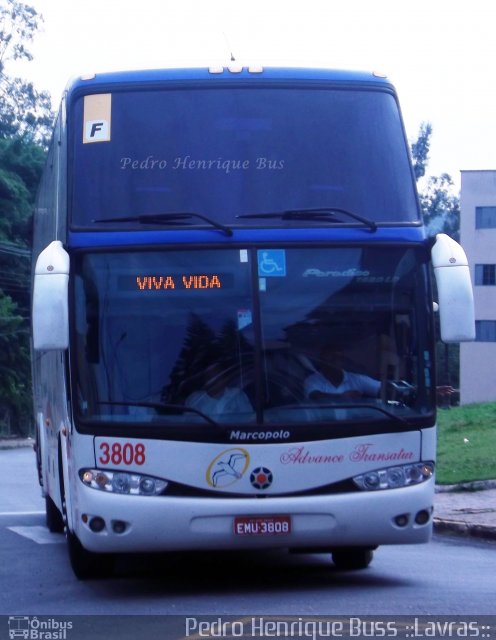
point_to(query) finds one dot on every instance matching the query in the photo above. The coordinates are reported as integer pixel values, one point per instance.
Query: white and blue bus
(233, 320)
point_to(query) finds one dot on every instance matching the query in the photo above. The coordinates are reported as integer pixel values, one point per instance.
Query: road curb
(16, 443)
(476, 485)
(460, 528)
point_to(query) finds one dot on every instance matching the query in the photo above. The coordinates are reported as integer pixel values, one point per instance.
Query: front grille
(184, 491)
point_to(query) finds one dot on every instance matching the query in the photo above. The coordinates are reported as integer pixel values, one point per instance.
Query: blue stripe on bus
(89, 239)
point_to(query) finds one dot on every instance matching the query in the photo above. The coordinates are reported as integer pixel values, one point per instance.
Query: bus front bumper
(151, 524)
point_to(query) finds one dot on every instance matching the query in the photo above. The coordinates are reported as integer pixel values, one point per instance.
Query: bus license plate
(262, 525)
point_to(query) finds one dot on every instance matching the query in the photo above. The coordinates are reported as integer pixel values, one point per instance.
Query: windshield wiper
(172, 218)
(343, 404)
(161, 407)
(319, 214)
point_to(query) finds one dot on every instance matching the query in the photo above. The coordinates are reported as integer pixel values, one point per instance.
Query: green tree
(440, 207)
(439, 203)
(18, 25)
(420, 150)
(24, 110)
(21, 164)
(25, 119)
(15, 388)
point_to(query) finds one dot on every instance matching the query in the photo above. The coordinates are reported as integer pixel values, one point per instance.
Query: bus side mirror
(50, 311)
(454, 286)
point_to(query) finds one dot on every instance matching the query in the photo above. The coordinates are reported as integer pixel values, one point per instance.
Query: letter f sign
(96, 131)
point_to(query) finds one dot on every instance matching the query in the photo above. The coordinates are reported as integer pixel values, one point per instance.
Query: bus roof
(232, 74)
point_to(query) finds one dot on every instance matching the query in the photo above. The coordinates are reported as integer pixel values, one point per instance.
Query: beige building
(478, 238)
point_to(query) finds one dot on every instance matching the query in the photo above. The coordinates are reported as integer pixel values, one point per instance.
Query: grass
(466, 447)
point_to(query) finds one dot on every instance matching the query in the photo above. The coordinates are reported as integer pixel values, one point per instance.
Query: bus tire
(352, 558)
(54, 519)
(86, 564)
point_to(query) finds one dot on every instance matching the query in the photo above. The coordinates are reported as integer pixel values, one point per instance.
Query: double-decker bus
(233, 320)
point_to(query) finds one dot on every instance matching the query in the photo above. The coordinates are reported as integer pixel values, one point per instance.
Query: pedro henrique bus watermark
(229, 627)
(324, 627)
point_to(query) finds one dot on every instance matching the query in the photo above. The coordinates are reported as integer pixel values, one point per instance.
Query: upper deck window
(227, 152)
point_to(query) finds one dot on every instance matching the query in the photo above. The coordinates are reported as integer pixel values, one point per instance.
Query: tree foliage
(24, 110)
(439, 203)
(21, 164)
(440, 207)
(25, 118)
(18, 25)
(15, 387)
(20, 169)
(420, 150)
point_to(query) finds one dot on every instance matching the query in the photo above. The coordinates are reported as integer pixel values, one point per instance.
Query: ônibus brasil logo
(32, 628)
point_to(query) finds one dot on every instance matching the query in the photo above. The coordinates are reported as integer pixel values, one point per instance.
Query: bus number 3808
(118, 453)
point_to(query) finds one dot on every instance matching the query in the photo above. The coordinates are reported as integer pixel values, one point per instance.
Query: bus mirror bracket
(455, 293)
(50, 313)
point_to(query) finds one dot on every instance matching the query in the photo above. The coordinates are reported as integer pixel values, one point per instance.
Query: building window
(485, 217)
(485, 330)
(485, 274)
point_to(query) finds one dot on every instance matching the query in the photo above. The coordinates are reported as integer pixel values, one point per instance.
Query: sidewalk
(468, 509)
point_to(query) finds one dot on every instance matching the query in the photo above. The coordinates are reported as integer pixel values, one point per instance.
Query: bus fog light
(422, 517)
(119, 526)
(402, 520)
(96, 524)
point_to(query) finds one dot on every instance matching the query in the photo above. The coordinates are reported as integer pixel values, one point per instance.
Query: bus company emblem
(228, 467)
(261, 478)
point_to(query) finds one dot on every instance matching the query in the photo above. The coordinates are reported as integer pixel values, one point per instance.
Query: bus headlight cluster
(394, 477)
(122, 482)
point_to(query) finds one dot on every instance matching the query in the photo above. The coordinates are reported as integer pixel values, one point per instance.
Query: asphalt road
(449, 576)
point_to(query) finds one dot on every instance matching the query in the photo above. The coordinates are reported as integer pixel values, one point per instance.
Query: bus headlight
(122, 482)
(394, 477)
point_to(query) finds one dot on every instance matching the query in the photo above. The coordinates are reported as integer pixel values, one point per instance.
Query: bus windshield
(230, 153)
(272, 336)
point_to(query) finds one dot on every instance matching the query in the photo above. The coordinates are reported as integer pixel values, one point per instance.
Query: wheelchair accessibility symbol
(272, 263)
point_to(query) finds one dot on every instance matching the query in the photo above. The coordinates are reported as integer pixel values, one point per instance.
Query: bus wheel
(54, 519)
(352, 558)
(87, 564)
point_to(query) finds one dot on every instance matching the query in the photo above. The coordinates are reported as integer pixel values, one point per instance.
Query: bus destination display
(176, 282)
